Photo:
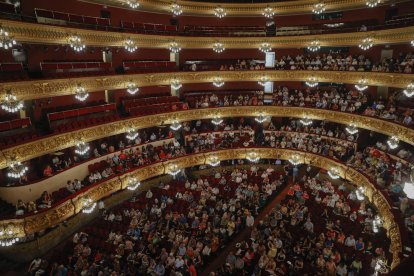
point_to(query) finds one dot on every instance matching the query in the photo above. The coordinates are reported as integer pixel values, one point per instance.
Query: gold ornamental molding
(58, 142)
(239, 9)
(38, 89)
(34, 33)
(52, 217)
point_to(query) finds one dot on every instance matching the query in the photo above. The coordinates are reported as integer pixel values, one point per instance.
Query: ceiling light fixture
(17, 169)
(351, 129)
(360, 193)
(217, 120)
(175, 125)
(213, 161)
(319, 8)
(88, 205)
(174, 47)
(173, 169)
(263, 80)
(132, 88)
(409, 91)
(218, 47)
(176, 84)
(314, 46)
(82, 148)
(372, 3)
(261, 118)
(130, 45)
(76, 43)
(366, 43)
(176, 9)
(376, 224)
(393, 142)
(6, 41)
(7, 235)
(80, 93)
(312, 82)
(268, 12)
(412, 42)
(253, 157)
(305, 121)
(10, 102)
(409, 189)
(265, 47)
(218, 81)
(295, 160)
(361, 85)
(220, 12)
(133, 184)
(132, 134)
(333, 173)
(133, 4)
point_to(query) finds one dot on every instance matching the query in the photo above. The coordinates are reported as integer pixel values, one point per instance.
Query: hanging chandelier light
(7, 236)
(376, 224)
(268, 12)
(366, 43)
(265, 47)
(263, 80)
(412, 42)
(409, 189)
(6, 41)
(132, 88)
(175, 125)
(130, 45)
(360, 193)
(314, 46)
(133, 4)
(220, 12)
(253, 157)
(217, 120)
(173, 169)
(305, 121)
(351, 129)
(176, 84)
(88, 205)
(132, 134)
(17, 169)
(218, 81)
(380, 266)
(295, 160)
(213, 161)
(218, 47)
(174, 47)
(319, 8)
(80, 93)
(10, 103)
(361, 85)
(261, 118)
(393, 142)
(133, 184)
(76, 43)
(312, 82)
(333, 173)
(82, 148)
(372, 3)
(176, 9)
(409, 91)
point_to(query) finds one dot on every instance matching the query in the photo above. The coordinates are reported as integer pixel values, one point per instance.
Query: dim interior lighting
(295, 160)
(334, 25)
(314, 46)
(76, 43)
(176, 9)
(132, 134)
(173, 169)
(218, 47)
(175, 125)
(10, 103)
(174, 47)
(218, 82)
(133, 4)
(132, 88)
(361, 85)
(130, 45)
(213, 161)
(17, 169)
(268, 12)
(372, 3)
(305, 121)
(133, 184)
(261, 118)
(393, 142)
(351, 129)
(366, 43)
(265, 47)
(409, 91)
(7, 235)
(220, 12)
(82, 148)
(376, 224)
(319, 8)
(360, 193)
(88, 205)
(409, 189)
(263, 80)
(6, 41)
(253, 157)
(333, 173)
(312, 82)
(80, 93)
(176, 84)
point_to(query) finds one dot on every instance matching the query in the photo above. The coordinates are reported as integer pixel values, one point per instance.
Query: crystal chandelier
(82, 148)
(333, 173)
(409, 91)
(381, 267)
(314, 46)
(80, 93)
(361, 85)
(263, 80)
(217, 120)
(360, 193)
(295, 160)
(312, 82)
(176, 9)
(174, 47)
(132, 134)
(130, 45)
(176, 84)
(372, 3)
(220, 12)
(76, 43)
(6, 41)
(218, 47)
(7, 236)
(133, 184)
(88, 205)
(218, 82)
(10, 103)
(351, 129)
(305, 121)
(393, 142)
(412, 42)
(265, 47)
(213, 161)
(366, 43)
(268, 12)
(175, 125)
(133, 4)
(319, 8)
(253, 157)
(261, 118)
(376, 224)
(173, 169)
(17, 169)
(132, 88)
(409, 189)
